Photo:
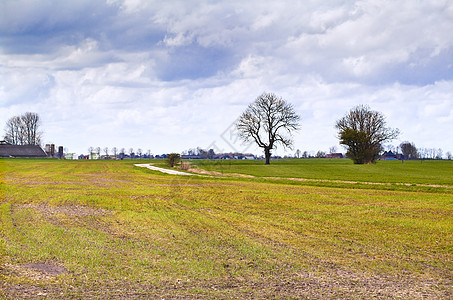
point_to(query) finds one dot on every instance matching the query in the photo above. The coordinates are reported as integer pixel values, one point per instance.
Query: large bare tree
(363, 131)
(24, 129)
(268, 121)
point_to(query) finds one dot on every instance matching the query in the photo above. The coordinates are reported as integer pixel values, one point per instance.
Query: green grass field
(108, 229)
(415, 172)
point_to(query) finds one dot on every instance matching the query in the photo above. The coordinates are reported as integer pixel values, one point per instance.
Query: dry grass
(110, 230)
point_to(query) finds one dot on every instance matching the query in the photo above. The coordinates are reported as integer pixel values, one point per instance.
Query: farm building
(8, 150)
(334, 155)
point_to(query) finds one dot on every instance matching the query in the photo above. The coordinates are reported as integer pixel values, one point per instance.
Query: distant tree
(31, 123)
(139, 152)
(391, 148)
(173, 159)
(13, 131)
(115, 152)
(266, 120)
(23, 130)
(333, 149)
(202, 153)
(192, 151)
(320, 154)
(422, 153)
(211, 153)
(106, 151)
(305, 154)
(409, 150)
(449, 155)
(131, 152)
(439, 153)
(90, 150)
(297, 154)
(97, 150)
(122, 152)
(362, 131)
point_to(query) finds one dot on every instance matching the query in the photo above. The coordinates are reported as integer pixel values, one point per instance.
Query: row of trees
(270, 121)
(23, 129)
(411, 152)
(116, 152)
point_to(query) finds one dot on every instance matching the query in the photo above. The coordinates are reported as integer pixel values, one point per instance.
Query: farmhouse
(389, 155)
(8, 150)
(334, 155)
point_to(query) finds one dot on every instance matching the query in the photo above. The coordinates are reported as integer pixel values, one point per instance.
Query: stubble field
(294, 229)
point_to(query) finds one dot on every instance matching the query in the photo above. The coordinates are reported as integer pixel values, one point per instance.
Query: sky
(167, 76)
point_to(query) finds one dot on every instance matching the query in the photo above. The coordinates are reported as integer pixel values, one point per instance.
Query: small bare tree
(333, 149)
(106, 152)
(449, 155)
(266, 121)
(90, 151)
(115, 152)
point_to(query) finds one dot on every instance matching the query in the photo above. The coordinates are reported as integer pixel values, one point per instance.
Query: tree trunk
(267, 154)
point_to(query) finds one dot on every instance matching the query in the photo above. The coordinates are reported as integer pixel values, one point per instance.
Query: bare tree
(131, 152)
(115, 151)
(30, 123)
(106, 151)
(139, 152)
(449, 155)
(363, 131)
(439, 153)
(320, 154)
(409, 150)
(13, 133)
(333, 149)
(266, 121)
(98, 152)
(24, 129)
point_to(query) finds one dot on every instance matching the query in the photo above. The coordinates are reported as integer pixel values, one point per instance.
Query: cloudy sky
(167, 76)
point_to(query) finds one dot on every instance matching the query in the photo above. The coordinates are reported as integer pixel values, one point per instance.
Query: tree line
(269, 121)
(118, 152)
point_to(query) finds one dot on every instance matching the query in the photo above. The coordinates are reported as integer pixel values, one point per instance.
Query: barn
(8, 150)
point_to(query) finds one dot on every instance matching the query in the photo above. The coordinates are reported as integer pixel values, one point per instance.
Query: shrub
(185, 165)
(173, 159)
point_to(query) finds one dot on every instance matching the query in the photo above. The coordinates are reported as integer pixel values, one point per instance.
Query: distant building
(94, 155)
(389, 155)
(334, 155)
(8, 150)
